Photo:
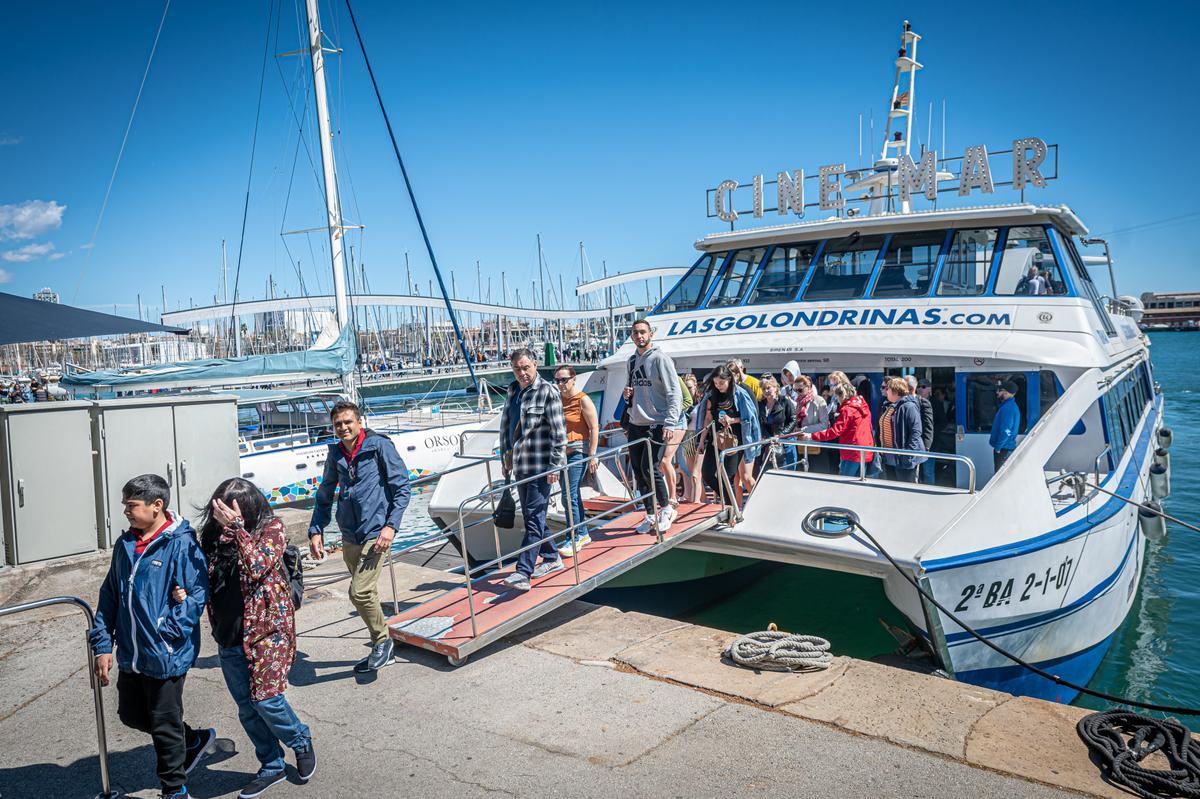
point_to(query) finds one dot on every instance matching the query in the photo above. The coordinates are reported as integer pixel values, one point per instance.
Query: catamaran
(861, 280)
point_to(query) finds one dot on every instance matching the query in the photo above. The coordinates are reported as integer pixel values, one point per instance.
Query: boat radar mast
(878, 187)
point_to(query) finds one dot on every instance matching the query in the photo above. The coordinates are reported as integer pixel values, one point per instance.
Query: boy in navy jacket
(157, 639)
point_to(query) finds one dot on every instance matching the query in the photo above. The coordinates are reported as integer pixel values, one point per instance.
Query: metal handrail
(106, 791)
(1096, 463)
(787, 441)
(492, 491)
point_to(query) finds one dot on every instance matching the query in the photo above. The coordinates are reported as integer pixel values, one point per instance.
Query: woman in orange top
(583, 435)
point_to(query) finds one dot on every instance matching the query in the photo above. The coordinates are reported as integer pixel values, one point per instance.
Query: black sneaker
(197, 749)
(260, 783)
(381, 655)
(182, 793)
(306, 762)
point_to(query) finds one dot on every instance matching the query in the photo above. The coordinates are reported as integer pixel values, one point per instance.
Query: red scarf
(801, 405)
(358, 442)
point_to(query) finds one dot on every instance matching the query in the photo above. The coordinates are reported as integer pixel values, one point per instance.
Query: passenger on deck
(533, 440)
(583, 436)
(1032, 283)
(738, 369)
(673, 436)
(1005, 425)
(927, 427)
(900, 428)
(787, 380)
(736, 415)
(930, 428)
(812, 416)
(853, 426)
(689, 458)
(777, 417)
(655, 402)
(832, 457)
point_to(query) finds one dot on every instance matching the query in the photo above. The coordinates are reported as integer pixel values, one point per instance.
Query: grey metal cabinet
(192, 442)
(47, 481)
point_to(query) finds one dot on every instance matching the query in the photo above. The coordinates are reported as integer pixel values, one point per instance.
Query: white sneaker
(665, 518)
(646, 526)
(547, 567)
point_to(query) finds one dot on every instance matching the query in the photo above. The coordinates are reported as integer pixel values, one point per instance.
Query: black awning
(23, 320)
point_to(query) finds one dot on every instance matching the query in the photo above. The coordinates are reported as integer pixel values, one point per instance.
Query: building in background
(46, 295)
(1171, 311)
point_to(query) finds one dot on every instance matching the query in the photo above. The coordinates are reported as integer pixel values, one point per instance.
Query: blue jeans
(851, 468)
(535, 498)
(928, 471)
(576, 467)
(267, 722)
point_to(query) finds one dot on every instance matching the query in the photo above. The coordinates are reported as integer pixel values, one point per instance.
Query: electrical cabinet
(47, 481)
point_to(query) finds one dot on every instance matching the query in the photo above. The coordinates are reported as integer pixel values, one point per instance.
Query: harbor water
(1155, 654)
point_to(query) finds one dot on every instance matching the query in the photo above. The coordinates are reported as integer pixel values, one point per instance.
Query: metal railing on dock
(106, 791)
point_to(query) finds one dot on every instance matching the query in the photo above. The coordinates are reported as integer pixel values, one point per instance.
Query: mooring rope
(1120, 740)
(773, 648)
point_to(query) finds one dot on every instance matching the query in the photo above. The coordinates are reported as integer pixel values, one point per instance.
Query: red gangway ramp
(443, 624)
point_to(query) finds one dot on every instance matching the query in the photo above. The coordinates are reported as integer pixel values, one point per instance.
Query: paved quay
(590, 701)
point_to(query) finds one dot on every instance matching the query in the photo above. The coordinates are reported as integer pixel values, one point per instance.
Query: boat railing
(790, 440)
(485, 502)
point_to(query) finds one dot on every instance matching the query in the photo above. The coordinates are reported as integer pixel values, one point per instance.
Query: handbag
(625, 423)
(505, 514)
(726, 439)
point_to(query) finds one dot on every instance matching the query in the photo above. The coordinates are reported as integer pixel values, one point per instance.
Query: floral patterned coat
(269, 620)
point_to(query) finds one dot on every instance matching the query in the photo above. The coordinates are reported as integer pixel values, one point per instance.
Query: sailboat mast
(333, 209)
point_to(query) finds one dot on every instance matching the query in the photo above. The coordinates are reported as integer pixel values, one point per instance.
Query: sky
(600, 123)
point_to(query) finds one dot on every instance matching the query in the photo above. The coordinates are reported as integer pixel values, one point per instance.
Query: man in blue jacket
(1006, 425)
(371, 484)
(157, 639)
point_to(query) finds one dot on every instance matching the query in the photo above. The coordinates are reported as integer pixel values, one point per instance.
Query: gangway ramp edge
(443, 624)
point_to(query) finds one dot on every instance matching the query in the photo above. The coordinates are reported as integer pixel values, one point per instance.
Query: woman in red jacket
(853, 426)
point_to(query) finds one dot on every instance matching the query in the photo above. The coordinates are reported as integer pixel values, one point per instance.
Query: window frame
(656, 311)
(800, 297)
(750, 279)
(881, 263)
(818, 251)
(996, 250)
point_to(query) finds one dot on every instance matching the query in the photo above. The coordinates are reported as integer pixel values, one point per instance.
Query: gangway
(469, 617)
(456, 625)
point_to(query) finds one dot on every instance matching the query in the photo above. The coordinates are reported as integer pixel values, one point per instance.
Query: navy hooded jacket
(906, 434)
(372, 500)
(154, 635)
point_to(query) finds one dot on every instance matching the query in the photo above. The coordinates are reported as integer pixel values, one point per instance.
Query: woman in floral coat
(253, 622)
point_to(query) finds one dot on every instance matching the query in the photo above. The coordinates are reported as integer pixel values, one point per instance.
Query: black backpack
(294, 574)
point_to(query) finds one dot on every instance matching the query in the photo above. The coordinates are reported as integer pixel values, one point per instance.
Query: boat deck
(462, 621)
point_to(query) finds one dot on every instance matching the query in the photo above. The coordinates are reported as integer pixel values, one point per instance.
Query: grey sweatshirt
(656, 396)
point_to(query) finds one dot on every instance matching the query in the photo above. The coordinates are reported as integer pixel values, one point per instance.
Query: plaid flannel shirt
(542, 434)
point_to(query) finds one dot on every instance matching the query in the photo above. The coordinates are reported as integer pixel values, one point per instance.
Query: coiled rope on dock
(773, 648)
(1120, 740)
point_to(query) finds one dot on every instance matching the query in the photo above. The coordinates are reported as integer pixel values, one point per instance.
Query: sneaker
(306, 762)
(363, 666)
(580, 543)
(260, 783)
(665, 517)
(182, 793)
(517, 582)
(646, 526)
(381, 655)
(548, 567)
(197, 749)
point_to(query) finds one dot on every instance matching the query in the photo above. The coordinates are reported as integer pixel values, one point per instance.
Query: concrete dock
(590, 701)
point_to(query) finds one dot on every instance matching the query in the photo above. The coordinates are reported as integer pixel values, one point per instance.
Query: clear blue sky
(603, 123)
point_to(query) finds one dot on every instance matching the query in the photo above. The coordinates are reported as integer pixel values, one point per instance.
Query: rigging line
(288, 90)
(262, 78)
(121, 152)
(413, 198)
(1168, 221)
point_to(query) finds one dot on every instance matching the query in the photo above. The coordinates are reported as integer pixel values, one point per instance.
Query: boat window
(784, 273)
(1087, 286)
(736, 278)
(690, 291)
(968, 262)
(1028, 265)
(844, 267)
(908, 264)
(1049, 390)
(982, 401)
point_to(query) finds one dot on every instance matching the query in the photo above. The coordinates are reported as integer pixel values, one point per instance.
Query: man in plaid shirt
(533, 439)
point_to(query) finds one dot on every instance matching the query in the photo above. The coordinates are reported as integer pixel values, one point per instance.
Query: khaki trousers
(365, 564)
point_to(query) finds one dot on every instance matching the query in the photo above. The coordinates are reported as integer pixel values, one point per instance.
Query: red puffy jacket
(853, 426)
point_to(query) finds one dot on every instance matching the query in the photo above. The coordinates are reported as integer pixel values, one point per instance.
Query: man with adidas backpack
(370, 481)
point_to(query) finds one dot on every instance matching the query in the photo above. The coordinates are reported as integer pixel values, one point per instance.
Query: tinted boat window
(784, 274)
(982, 401)
(689, 291)
(968, 262)
(736, 278)
(1028, 265)
(908, 264)
(845, 266)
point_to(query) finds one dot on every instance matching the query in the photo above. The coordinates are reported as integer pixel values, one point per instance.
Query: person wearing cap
(921, 389)
(1006, 424)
